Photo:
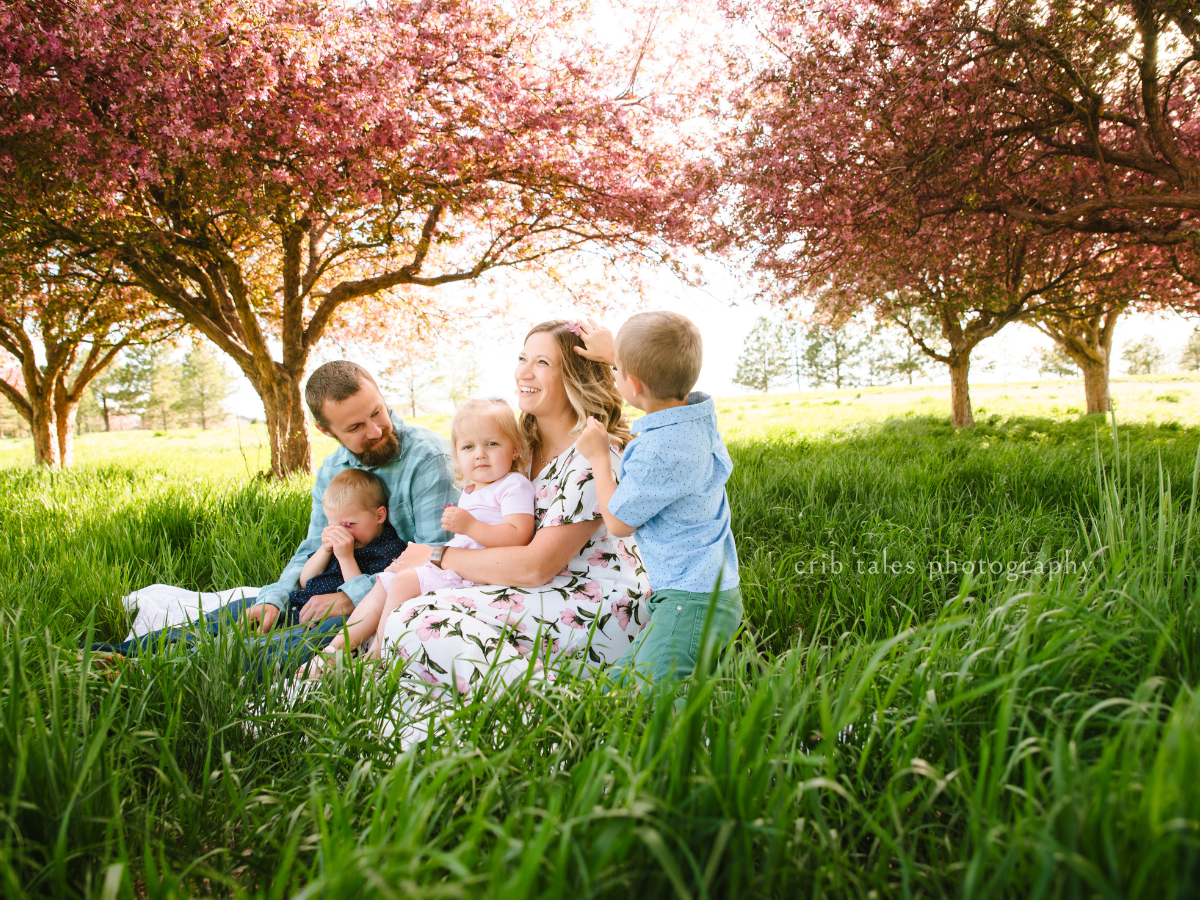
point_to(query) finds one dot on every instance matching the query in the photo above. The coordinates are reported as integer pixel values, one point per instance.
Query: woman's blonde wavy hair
(591, 388)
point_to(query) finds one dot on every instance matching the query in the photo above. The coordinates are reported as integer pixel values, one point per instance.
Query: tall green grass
(902, 733)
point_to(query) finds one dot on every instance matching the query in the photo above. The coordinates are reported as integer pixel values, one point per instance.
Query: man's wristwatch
(435, 555)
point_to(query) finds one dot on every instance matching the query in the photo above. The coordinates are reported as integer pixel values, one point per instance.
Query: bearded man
(413, 463)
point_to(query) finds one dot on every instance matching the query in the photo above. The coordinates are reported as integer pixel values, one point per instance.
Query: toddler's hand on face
(326, 543)
(456, 520)
(341, 541)
(593, 442)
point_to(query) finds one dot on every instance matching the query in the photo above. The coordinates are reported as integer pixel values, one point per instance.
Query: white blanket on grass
(162, 606)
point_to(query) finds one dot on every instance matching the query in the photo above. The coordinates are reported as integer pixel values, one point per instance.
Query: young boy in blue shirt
(671, 491)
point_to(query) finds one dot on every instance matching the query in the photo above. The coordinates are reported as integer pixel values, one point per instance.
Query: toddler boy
(671, 491)
(359, 540)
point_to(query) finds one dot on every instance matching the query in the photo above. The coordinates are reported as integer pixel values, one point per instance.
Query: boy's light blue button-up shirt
(419, 483)
(672, 490)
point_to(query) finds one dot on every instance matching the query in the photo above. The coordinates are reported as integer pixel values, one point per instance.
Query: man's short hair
(664, 351)
(334, 381)
(354, 487)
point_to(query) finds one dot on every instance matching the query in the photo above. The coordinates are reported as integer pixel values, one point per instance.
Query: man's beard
(382, 453)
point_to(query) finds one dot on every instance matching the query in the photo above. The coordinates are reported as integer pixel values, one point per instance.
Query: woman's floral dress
(589, 612)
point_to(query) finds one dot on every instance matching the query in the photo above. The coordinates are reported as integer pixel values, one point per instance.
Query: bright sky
(723, 309)
(725, 316)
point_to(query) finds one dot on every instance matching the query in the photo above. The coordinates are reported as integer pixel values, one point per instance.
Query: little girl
(494, 510)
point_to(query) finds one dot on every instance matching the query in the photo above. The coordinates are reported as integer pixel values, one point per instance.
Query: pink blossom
(510, 602)
(620, 611)
(543, 492)
(625, 555)
(571, 619)
(430, 626)
(461, 684)
(462, 601)
(550, 523)
(426, 676)
(598, 558)
(589, 593)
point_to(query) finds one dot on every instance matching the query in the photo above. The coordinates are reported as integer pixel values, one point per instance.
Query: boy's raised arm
(594, 445)
(598, 344)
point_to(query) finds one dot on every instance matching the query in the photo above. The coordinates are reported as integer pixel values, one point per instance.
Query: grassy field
(974, 674)
(1144, 398)
(235, 452)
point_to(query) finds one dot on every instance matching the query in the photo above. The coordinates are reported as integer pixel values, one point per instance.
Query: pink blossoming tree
(280, 171)
(981, 162)
(64, 323)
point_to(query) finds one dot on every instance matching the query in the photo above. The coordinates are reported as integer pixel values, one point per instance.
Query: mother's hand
(414, 555)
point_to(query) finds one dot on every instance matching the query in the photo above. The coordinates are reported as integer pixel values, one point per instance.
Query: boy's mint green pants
(669, 646)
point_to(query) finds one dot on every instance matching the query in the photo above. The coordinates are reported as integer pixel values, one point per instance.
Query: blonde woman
(574, 584)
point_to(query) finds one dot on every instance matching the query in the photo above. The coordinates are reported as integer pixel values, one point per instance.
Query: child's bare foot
(101, 659)
(316, 667)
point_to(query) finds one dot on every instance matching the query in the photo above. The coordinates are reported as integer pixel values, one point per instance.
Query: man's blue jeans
(288, 646)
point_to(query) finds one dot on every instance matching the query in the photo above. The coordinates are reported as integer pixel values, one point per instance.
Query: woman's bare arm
(512, 531)
(533, 565)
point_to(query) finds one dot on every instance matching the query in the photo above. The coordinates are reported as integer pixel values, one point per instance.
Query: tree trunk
(45, 434)
(64, 420)
(1087, 337)
(960, 395)
(104, 409)
(1095, 385)
(287, 429)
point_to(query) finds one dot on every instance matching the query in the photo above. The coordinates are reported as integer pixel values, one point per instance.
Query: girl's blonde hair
(591, 388)
(498, 412)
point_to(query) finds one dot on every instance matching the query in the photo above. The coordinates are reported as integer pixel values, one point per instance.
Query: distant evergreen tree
(832, 355)
(889, 355)
(204, 384)
(908, 363)
(157, 380)
(1189, 359)
(766, 357)
(464, 383)
(1143, 357)
(123, 390)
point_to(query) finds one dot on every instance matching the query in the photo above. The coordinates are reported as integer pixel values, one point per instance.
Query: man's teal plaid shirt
(419, 483)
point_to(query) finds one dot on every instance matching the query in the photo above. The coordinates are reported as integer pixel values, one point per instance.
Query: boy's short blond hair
(354, 487)
(497, 411)
(663, 350)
